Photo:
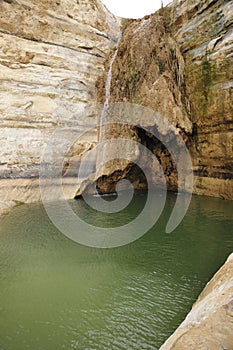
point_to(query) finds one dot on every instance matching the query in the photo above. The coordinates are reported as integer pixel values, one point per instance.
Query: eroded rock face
(51, 54)
(209, 325)
(178, 62)
(205, 36)
(149, 71)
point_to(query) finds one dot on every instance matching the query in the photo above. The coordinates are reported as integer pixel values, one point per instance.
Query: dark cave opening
(135, 174)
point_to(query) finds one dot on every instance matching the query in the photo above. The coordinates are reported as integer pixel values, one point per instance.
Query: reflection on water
(56, 294)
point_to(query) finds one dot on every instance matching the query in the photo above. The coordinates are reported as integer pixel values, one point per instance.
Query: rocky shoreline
(209, 325)
(6, 207)
(14, 192)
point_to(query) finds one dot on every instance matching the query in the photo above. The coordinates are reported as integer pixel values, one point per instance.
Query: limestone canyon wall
(51, 54)
(179, 63)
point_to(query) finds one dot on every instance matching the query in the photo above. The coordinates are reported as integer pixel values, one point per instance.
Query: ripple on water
(56, 294)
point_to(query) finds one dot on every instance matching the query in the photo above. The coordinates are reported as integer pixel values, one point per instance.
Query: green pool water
(56, 294)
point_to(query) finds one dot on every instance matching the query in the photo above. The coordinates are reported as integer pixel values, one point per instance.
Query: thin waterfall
(104, 113)
(94, 161)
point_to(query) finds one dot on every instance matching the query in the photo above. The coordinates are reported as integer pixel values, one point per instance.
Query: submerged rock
(5, 207)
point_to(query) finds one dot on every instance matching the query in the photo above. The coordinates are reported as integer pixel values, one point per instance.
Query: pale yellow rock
(5, 207)
(42, 105)
(209, 325)
(51, 56)
(19, 191)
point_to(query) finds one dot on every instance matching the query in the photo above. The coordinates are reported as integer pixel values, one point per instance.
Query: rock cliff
(209, 324)
(178, 62)
(51, 55)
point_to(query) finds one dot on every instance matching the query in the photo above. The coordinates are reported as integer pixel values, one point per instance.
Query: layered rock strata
(178, 62)
(51, 56)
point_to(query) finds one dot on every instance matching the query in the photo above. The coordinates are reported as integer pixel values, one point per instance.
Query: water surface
(56, 294)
